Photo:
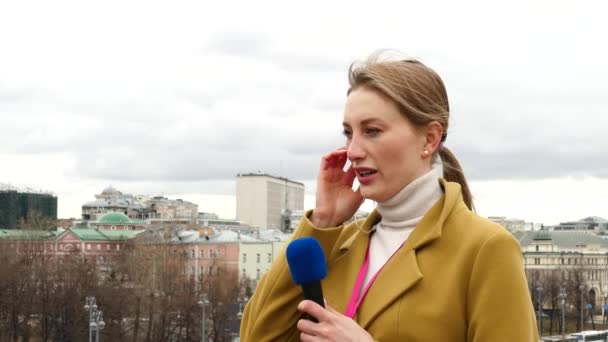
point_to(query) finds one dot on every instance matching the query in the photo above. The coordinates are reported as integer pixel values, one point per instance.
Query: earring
(425, 152)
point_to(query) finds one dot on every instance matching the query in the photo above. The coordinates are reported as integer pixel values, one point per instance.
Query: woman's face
(384, 148)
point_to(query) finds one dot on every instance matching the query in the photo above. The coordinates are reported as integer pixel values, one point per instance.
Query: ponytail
(452, 172)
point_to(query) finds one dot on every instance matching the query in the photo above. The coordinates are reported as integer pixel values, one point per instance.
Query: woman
(422, 266)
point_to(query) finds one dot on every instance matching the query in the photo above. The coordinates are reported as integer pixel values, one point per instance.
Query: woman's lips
(365, 175)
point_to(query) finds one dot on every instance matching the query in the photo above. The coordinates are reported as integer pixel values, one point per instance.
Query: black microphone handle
(314, 292)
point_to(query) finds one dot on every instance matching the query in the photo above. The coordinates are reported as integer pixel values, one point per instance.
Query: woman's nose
(354, 150)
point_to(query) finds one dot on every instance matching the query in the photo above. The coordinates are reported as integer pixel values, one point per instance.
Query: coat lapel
(346, 263)
(397, 277)
(402, 273)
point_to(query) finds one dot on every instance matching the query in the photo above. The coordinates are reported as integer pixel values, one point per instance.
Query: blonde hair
(421, 97)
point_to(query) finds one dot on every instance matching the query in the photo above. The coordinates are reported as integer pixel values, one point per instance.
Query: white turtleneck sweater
(400, 214)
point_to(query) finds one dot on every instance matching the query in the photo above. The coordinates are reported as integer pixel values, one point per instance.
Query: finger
(308, 327)
(314, 309)
(304, 337)
(336, 158)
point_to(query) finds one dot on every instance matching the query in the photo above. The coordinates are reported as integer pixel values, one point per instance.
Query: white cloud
(179, 97)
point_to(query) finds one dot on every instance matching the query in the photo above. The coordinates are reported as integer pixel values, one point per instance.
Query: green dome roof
(114, 218)
(542, 235)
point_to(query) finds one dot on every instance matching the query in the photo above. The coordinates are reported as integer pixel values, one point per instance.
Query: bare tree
(35, 220)
(146, 294)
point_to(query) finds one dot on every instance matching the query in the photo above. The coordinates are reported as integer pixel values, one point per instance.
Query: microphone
(306, 262)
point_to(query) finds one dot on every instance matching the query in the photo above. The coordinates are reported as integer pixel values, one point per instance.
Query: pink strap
(357, 296)
(355, 299)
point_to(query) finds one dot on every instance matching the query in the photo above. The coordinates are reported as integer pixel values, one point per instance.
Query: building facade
(96, 246)
(556, 259)
(266, 202)
(255, 259)
(594, 224)
(156, 209)
(19, 205)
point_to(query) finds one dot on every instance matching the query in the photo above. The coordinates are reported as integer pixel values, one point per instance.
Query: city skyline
(177, 100)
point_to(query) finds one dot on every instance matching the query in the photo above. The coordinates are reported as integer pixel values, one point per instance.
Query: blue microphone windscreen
(306, 260)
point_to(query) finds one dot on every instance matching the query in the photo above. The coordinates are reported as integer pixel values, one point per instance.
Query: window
(113, 228)
(218, 253)
(98, 247)
(202, 269)
(258, 274)
(192, 255)
(210, 270)
(107, 247)
(244, 257)
(202, 254)
(117, 247)
(269, 258)
(210, 254)
(193, 270)
(244, 273)
(257, 258)
(88, 247)
(217, 270)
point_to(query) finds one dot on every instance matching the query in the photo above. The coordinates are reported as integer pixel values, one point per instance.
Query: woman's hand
(332, 326)
(336, 201)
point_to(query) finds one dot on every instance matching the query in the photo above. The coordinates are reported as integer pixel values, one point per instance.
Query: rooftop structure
(266, 202)
(157, 208)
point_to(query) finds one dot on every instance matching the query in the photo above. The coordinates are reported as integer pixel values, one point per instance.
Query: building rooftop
(114, 218)
(104, 235)
(267, 175)
(564, 239)
(230, 236)
(18, 234)
(594, 219)
(110, 190)
(4, 187)
(114, 202)
(227, 235)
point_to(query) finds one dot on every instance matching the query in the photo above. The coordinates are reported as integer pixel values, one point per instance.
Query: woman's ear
(432, 134)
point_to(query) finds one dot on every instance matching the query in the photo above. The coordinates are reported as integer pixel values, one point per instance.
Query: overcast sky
(176, 98)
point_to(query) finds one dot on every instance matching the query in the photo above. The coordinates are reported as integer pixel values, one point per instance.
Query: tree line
(145, 294)
(548, 286)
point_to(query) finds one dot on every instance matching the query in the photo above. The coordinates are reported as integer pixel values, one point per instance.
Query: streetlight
(539, 289)
(582, 288)
(239, 315)
(91, 307)
(97, 323)
(562, 300)
(605, 295)
(203, 302)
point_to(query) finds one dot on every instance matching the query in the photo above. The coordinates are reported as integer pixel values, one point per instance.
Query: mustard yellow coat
(458, 277)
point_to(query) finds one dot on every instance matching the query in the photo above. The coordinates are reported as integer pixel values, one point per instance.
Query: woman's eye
(372, 131)
(347, 133)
